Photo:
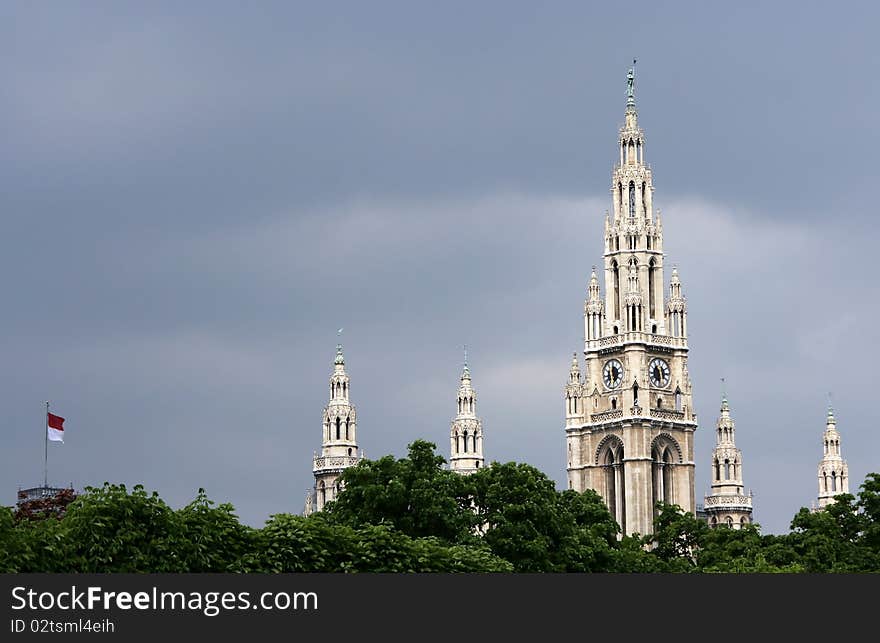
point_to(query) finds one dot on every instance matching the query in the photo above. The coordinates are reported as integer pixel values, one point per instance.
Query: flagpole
(46, 449)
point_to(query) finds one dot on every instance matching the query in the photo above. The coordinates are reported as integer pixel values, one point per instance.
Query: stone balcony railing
(667, 414)
(644, 338)
(604, 416)
(712, 502)
(334, 462)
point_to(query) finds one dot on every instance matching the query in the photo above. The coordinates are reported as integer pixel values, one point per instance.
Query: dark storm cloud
(195, 198)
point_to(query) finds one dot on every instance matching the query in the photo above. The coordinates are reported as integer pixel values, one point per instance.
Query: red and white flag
(55, 427)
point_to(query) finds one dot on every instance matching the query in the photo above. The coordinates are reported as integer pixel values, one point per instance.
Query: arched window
(465, 441)
(678, 399)
(457, 446)
(349, 452)
(632, 199)
(661, 473)
(833, 481)
(654, 328)
(635, 394)
(717, 469)
(615, 487)
(659, 402)
(613, 402)
(338, 424)
(743, 522)
(346, 428)
(322, 494)
(714, 521)
(730, 522)
(726, 469)
(652, 269)
(344, 389)
(615, 277)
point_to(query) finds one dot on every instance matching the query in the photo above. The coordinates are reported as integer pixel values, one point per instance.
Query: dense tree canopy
(413, 515)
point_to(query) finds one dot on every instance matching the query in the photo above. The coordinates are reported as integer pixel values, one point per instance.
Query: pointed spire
(465, 372)
(575, 371)
(593, 288)
(724, 405)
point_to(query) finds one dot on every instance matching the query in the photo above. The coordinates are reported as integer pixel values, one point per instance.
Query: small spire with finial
(830, 408)
(465, 373)
(724, 405)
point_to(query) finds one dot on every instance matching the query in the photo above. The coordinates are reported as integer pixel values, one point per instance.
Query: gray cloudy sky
(195, 196)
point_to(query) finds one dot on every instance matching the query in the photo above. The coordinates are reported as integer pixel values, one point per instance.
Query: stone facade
(630, 420)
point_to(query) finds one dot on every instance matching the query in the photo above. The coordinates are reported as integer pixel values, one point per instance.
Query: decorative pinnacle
(340, 360)
(465, 373)
(830, 408)
(724, 405)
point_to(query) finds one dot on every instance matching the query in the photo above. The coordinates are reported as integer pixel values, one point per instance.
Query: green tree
(520, 516)
(209, 538)
(109, 529)
(677, 537)
(316, 544)
(415, 495)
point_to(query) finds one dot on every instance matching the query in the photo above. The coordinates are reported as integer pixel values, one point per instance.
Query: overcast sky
(196, 196)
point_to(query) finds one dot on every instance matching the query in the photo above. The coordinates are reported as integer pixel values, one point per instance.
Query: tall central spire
(629, 416)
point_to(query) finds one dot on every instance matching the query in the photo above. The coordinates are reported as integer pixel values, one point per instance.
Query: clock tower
(630, 422)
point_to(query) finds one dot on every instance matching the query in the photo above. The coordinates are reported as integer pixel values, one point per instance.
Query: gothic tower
(630, 424)
(466, 434)
(833, 472)
(727, 504)
(339, 447)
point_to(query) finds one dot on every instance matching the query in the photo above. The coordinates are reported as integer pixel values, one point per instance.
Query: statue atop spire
(630, 85)
(340, 360)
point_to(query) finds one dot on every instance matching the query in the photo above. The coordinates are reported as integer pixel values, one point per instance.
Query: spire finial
(830, 408)
(630, 83)
(339, 358)
(465, 372)
(724, 405)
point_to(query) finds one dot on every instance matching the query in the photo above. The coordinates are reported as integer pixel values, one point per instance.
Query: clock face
(658, 370)
(612, 374)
